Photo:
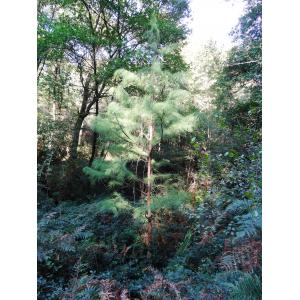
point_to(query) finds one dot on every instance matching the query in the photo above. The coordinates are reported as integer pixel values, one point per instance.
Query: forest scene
(149, 182)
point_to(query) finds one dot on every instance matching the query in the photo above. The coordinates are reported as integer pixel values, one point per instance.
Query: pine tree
(149, 106)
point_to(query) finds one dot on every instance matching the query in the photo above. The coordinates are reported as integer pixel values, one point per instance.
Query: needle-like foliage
(152, 96)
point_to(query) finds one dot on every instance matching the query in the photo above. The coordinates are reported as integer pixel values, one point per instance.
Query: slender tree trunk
(95, 138)
(149, 188)
(193, 199)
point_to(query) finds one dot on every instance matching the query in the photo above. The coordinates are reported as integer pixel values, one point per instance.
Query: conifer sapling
(148, 107)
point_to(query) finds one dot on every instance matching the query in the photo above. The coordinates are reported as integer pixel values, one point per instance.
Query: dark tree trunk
(75, 139)
(94, 148)
(95, 138)
(84, 111)
(96, 98)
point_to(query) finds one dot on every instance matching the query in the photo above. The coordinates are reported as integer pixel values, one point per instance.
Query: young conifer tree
(148, 107)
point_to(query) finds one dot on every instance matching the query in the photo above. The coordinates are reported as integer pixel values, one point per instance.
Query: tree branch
(244, 63)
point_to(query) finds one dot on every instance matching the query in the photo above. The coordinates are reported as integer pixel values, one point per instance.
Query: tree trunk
(81, 116)
(94, 148)
(95, 137)
(75, 139)
(149, 187)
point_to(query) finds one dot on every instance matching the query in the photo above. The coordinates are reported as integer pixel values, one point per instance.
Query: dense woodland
(149, 167)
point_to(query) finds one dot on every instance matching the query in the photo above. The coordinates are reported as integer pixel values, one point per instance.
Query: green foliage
(150, 96)
(60, 33)
(249, 287)
(114, 205)
(206, 156)
(238, 87)
(115, 171)
(171, 201)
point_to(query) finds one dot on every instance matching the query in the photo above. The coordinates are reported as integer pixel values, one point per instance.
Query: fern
(248, 225)
(238, 206)
(185, 243)
(248, 288)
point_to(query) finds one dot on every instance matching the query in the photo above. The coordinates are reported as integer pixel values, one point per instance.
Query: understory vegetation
(149, 167)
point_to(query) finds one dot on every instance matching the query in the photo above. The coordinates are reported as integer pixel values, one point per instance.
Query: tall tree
(239, 85)
(149, 106)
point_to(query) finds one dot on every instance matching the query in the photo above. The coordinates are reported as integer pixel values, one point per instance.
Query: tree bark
(95, 138)
(97, 96)
(78, 124)
(149, 188)
(75, 139)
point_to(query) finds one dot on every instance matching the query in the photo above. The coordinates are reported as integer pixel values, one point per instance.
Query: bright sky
(212, 20)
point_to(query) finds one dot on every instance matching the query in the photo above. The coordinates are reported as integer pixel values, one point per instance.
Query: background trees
(92, 39)
(98, 37)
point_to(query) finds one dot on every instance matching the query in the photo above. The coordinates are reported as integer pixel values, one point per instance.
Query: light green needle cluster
(151, 96)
